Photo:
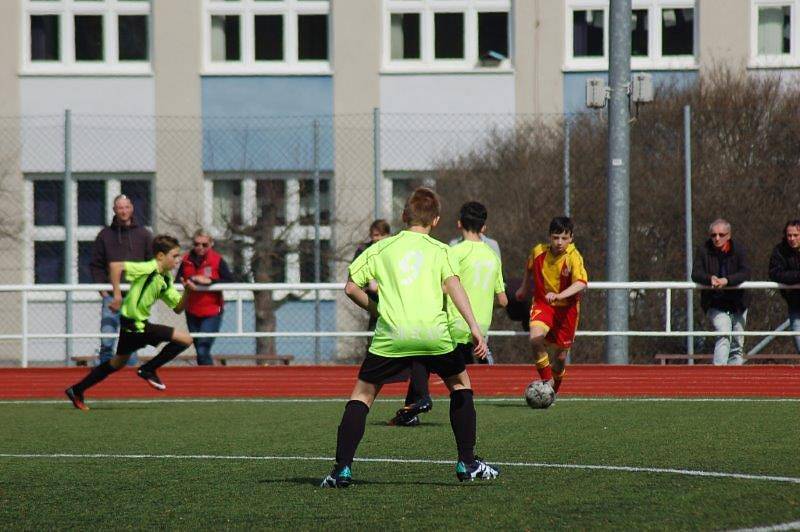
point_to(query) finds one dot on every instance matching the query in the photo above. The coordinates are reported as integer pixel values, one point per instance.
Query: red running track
(337, 381)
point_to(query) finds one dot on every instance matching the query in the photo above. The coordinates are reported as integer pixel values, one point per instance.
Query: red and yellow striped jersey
(551, 273)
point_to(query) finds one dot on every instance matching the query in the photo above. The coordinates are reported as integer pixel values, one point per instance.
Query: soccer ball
(539, 394)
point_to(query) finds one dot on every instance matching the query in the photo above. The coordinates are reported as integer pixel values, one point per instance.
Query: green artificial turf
(759, 438)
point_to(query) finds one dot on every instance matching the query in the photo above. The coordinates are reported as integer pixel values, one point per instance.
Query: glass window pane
(88, 38)
(225, 38)
(639, 31)
(312, 37)
(588, 33)
(138, 191)
(492, 35)
(91, 202)
(307, 202)
(84, 258)
(277, 261)
(774, 30)
(405, 36)
(133, 42)
(677, 31)
(227, 203)
(271, 202)
(48, 262)
(448, 35)
(307, 261)
(48, 203)
(269, 37)
(45, 38)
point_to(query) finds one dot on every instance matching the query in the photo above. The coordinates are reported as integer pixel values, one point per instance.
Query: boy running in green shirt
(412, 270)
(150, 281)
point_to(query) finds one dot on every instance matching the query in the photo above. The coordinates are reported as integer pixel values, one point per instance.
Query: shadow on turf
(420, 426)
(307, 481)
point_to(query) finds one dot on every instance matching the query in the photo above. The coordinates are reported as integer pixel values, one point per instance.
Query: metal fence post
(24, 329)
(317, 250)
(687, 165)
(618, 212)
(376, 160)
(567, 133)
(69, 277)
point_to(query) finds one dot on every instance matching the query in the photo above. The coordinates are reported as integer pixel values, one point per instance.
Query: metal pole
(618, 212)
(317, 250)
(687, 143)
(567, 133)
(69, 277)
(24, 329)
(376, 159)
(765, 342)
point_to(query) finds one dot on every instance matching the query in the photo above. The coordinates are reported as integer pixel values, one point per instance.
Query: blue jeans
(109, 323)
(794, 325)
(210, 324)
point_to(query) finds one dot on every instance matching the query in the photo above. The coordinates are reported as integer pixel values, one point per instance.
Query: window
(437, 35)
(662, 34)
(86, 37)
(279, 203)
(677, 32)
(402, 187)
(307, 261)
(774, 34)
(90, 212)
(266, 36)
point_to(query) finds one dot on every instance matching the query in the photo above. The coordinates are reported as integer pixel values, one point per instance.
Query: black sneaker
(338, 478)
(412, 422)
(151, 378)
(408, 416)
(76, 398)
(424, 405)
(478, 469)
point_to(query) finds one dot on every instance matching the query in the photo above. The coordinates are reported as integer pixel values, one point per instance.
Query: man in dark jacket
(719, 263)
(784, 268)
(121, 241)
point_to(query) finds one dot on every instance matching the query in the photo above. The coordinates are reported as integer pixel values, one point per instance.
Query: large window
(266, 36)
(92, 200)
(663, 34)
(774, 33)
(86, 36)
(446, 35)
(283, 206)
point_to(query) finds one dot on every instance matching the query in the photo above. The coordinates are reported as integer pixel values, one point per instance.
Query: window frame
(66, 10)
(792, 59)
(247, 10)
(654, 60)
(80, 233)
(427, 63)
(292, 232)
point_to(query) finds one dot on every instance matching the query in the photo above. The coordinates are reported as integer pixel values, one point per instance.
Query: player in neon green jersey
(413, 271)
(482, 277)
(150, 281)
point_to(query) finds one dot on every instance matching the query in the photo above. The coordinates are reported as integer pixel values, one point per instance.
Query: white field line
(395, 400)
(626, 469)
(794, 525)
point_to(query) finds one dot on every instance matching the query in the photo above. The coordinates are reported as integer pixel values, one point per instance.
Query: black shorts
(131, 341)
(465, 352)
(381, 370)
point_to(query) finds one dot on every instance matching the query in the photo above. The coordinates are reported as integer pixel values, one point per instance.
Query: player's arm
(525, 287)
(188, 286)
(456, 292)
(574, 289)
(502, 299)
(115, 270)
(358, 296)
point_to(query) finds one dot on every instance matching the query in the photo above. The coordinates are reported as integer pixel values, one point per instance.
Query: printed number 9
(410, 266)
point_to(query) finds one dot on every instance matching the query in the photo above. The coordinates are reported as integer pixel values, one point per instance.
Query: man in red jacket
(204, 266)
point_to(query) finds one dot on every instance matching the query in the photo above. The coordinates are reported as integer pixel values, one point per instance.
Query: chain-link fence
(289, 198)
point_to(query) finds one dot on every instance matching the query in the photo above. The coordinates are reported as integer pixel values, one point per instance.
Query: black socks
(418, 384)
(167, 353)
(351, 430)
(463, 421)
(97, 374)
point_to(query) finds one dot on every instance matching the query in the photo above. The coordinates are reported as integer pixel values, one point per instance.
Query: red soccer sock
(557, 378)
(544, 368)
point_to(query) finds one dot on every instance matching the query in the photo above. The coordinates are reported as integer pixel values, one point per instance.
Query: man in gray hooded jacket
(121, 241)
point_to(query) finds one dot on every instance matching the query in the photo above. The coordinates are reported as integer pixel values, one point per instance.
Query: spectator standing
(719, 262)
(784, 268)
(204, 266)
(123, 240)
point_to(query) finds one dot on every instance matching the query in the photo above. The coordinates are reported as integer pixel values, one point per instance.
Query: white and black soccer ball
(539, 394)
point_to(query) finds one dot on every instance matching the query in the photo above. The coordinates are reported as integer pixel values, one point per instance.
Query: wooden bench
(663, 358)
(260, 360)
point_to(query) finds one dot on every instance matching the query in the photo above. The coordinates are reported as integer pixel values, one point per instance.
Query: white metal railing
(239, 292)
